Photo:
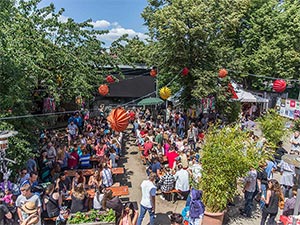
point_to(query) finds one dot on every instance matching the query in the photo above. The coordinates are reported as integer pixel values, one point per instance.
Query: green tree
(273, 127)
(200, 35)
(248, 37)
(268, 42)
(37, 49)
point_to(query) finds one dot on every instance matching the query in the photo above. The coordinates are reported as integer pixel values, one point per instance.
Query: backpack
(197, 207)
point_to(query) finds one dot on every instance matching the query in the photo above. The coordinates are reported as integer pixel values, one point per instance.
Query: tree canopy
(43, 56)
(248, 37)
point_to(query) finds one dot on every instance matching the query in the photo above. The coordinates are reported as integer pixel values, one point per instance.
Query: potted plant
(93, 217)
(227, 155)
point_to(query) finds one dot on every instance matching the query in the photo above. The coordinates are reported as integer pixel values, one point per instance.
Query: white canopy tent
(245, 96)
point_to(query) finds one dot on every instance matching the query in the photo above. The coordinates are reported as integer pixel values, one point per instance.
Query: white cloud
(100, 24)
(117, 31)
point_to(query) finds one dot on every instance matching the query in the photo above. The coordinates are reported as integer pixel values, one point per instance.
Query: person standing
(148, 199)
(249, 189)
(287, 179)
(271, 203)
(182, 184)
(23, 199)
(295, 143)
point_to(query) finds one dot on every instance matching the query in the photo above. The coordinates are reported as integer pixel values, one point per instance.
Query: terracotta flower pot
(213, 218)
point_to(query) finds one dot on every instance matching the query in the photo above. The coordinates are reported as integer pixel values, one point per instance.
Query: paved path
(135, 174)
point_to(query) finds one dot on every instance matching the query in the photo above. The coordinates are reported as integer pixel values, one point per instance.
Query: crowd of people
(170, 152)
(44, 189)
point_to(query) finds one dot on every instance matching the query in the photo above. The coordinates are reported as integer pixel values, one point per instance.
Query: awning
(245, 96)
(150, 101)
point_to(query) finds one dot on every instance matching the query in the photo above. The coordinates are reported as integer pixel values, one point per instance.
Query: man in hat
(24, 209)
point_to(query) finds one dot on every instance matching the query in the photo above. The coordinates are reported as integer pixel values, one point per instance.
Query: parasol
(118, 119)
(150, 101)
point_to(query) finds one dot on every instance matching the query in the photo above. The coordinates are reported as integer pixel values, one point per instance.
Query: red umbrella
(118, 119)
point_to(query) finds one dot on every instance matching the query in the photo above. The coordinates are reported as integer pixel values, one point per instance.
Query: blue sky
(117, 16)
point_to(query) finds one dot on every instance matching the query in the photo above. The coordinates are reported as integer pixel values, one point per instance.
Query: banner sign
(289, 108)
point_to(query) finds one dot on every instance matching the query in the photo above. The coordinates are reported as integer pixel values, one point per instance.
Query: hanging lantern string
(67, 112)
(137, 99)
(263, 76)
(129, 78)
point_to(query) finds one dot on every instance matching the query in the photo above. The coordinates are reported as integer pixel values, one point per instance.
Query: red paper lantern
(223, 73)
(110, 79)
(103, 89)
(279, 85)
(153, 73)
(118, 119)
(232, 91)
(185, 71)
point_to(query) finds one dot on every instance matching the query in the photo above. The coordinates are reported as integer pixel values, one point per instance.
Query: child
(197, 208)
(8, 197)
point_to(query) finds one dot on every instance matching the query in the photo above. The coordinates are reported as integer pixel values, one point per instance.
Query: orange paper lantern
(279, 86)
(118, 119)
(223, 73)
(103, 89)
(153, 73)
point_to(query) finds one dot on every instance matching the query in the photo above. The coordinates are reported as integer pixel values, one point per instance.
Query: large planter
(95, 223)
(213, 218)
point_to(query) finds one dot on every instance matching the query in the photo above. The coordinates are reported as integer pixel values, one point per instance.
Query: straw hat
(31, 220)
(29, 207)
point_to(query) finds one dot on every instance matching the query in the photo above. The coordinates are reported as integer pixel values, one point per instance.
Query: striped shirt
(84, 161)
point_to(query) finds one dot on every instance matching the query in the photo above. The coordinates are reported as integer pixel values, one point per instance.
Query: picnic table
(90, 172)
(118, 170)
(119, 191)
(85, 172)
(116, 190)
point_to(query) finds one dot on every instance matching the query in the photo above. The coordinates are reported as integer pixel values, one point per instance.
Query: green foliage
(268, 41)
(296, 126)
(19, 149)
(258, 37)
(227, 155)
(92, 216)
(36, 48)
(273, 127)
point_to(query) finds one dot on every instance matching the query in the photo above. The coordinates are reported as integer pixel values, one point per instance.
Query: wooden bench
(144, 159)
(170, 195)
(119, 191)
(50, 218)
(85, 172)
(118, 170)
